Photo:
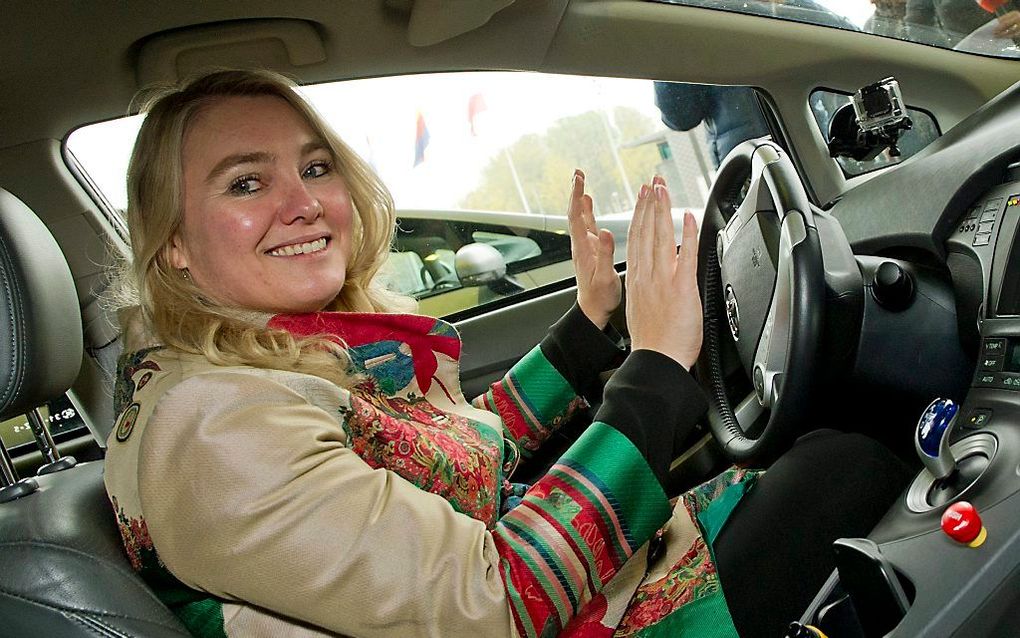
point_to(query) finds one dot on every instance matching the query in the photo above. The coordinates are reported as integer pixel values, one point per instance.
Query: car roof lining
(611, 37)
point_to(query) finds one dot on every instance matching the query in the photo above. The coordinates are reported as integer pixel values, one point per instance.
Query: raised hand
(663, 305)
(1009, 25)
(591, 249)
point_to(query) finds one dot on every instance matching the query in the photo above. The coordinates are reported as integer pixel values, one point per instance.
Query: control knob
(892, 287)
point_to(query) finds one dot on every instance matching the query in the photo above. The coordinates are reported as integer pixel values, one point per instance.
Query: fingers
(579, 206)
(588, 213)
(688, 255)
(664, 242)
(1009, 24)
(638, 233)
(575, 206)
(606, 246)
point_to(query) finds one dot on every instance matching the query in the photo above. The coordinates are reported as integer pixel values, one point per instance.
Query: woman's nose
(300, 205)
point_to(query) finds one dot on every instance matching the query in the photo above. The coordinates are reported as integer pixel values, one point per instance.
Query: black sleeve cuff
(580, 351)
(653, 401)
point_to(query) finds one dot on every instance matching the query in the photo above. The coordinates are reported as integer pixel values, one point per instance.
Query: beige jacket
(251, 492)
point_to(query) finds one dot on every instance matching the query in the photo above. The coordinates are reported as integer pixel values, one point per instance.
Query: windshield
(987, 27)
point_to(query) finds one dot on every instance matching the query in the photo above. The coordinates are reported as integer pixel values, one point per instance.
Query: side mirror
(480, 264)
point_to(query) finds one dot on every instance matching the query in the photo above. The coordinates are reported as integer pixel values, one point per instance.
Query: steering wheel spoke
(748, 411)
(764, 282)
(770, 357)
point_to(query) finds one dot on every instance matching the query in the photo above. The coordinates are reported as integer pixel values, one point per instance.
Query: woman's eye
(246, 185)
(317, 169)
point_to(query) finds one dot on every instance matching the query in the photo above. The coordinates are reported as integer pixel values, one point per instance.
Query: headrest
(40, 320)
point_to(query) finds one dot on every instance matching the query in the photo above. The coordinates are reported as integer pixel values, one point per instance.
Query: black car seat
(62, 569)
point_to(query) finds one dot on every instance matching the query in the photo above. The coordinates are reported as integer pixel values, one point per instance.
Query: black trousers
(775, 551)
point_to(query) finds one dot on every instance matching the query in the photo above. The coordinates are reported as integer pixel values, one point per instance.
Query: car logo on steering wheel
(732, 314)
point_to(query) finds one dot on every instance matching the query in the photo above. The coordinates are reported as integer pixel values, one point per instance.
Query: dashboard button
(986, 380)
(978, 418)
(993, 204)
(1009, 381)
(989, 215)
(985, 227)
(981, 240)
(991, 363)
(995, 346)
(962, 523)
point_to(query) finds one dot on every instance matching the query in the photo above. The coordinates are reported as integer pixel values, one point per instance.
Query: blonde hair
(171, 306)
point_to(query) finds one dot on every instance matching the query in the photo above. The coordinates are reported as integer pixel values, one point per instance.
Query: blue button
(933, 425)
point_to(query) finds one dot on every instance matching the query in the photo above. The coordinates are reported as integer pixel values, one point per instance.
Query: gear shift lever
(932, 437)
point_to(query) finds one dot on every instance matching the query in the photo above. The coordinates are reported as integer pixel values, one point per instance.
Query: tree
(545, 162)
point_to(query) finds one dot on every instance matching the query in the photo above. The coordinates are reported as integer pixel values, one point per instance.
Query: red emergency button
(962, 523)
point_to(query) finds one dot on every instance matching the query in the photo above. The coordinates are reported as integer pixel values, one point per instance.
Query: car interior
(834, 298)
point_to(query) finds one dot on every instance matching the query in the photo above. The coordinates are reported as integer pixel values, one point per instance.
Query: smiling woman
(267, 217)
(262, 186)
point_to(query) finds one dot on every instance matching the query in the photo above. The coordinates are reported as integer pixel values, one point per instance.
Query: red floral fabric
(440, 452)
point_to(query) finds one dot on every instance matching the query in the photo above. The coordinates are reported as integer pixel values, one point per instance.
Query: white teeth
(300, 249)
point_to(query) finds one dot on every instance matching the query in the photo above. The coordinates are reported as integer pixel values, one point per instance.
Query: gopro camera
(879, 106)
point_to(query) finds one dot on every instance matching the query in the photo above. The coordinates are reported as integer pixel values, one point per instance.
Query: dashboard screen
(1011, 363)
(1009, 294)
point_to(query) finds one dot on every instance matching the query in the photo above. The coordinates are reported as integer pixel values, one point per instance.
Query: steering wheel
(763, 290)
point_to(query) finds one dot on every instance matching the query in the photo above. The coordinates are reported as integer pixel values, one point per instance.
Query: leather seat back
(63, 571)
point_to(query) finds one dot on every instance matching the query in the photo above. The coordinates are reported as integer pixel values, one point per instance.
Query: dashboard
(909, 577)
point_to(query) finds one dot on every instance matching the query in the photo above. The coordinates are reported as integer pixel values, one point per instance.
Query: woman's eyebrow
(315, 145)
(230, 161)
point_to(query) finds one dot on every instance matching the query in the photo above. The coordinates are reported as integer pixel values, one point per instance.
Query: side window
(482, 163)
(61, 416)
(923, 132)
(514, 258)
(486, 158)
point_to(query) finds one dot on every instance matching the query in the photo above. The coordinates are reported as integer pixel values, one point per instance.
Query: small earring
(185, 274)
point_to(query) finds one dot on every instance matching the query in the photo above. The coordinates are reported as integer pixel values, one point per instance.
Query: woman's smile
(305, 248)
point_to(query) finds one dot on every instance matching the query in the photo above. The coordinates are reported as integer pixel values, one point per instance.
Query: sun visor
(433, 21)
(279, 44)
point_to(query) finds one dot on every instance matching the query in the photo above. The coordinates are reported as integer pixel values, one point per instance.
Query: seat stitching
(95, 625)
(122, 570)
(5, 276)
(66, 610)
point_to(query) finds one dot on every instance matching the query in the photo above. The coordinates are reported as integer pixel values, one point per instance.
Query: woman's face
(267, 217)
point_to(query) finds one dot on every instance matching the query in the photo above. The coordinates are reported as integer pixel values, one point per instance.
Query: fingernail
(643, 193)
(660, 192)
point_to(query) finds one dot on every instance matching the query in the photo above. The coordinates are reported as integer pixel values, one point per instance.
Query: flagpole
(476, 104)
(616, 157)
(517, 181)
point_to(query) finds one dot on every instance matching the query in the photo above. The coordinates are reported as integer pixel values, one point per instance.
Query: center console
(915, 574)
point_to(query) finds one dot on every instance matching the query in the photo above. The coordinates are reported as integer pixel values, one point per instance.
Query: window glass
(924, 130)
(975, 26)
(60, 415)
(487, 158)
